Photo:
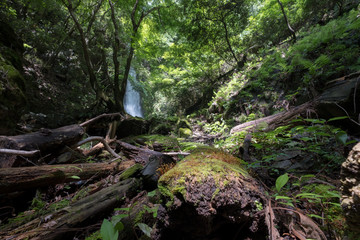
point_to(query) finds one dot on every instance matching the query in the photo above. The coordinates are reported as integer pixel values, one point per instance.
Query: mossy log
(60, 224)
(209, 195)
(25, 178)
(45, 140)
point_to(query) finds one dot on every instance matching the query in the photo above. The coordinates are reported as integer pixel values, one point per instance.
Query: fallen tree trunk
(60, 223)
(339, 99)
(25, 178)
(276, 120)
(140, 155)
(45, 140)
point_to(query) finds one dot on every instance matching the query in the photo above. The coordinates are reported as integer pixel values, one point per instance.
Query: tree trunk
(117, 93)
(287, 21)
(45, 140)
(25, 178)
(52, 226)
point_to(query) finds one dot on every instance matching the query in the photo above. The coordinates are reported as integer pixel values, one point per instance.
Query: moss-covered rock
(185, 132)
(209, 184)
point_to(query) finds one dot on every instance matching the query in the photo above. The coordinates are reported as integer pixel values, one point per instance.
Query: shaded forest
(180, 119)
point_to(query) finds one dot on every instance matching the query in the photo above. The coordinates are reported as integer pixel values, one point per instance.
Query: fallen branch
(102, 140)
(176, 153)
(95, 119)
(19, 152)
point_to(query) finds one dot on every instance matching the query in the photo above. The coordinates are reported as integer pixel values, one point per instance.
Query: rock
(151, 172)
(132, 126)
(350, 180)
(209, 195)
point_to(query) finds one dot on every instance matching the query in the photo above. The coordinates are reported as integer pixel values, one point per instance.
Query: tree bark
(52, 226)
(26, 178)
(140, 155)
(45, 140)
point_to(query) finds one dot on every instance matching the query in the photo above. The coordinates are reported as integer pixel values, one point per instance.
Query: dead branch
(102, 140)
(19, 152)
(95, 119)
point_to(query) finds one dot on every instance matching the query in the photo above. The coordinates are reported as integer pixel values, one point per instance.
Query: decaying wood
(140, 155)
(25, 178)
(52, 226)
(45, 140)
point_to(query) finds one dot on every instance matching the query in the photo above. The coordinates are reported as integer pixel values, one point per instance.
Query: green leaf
(117, 218)
(342, 137)
(315, 216)
(152, 193)
(308, 195)
(119, 226)
(337, 118)
(122, 209)
(281, 181)
(283, 197)
(145, 229)
(107, 231)
(75, 177)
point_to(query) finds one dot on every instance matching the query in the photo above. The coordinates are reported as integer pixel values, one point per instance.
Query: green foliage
(108, 231)
(281, 181)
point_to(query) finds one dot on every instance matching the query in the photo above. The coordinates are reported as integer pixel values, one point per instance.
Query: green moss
(94, 236)
(202, 164)
(185, 132)
(130, 172)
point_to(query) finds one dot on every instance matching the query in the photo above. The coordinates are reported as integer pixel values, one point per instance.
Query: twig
(102, 140)
(176, 153)
(347, 114)
(356, 85)
(19, 152)
(90, 121)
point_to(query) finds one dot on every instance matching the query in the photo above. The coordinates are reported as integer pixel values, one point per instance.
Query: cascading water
(132, 100)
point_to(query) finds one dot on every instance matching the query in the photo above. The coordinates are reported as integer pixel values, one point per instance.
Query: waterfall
(132, 100)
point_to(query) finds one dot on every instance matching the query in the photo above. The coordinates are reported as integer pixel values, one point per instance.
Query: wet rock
(151, 172)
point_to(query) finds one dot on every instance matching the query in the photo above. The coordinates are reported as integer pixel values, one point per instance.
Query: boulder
(350, 180)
